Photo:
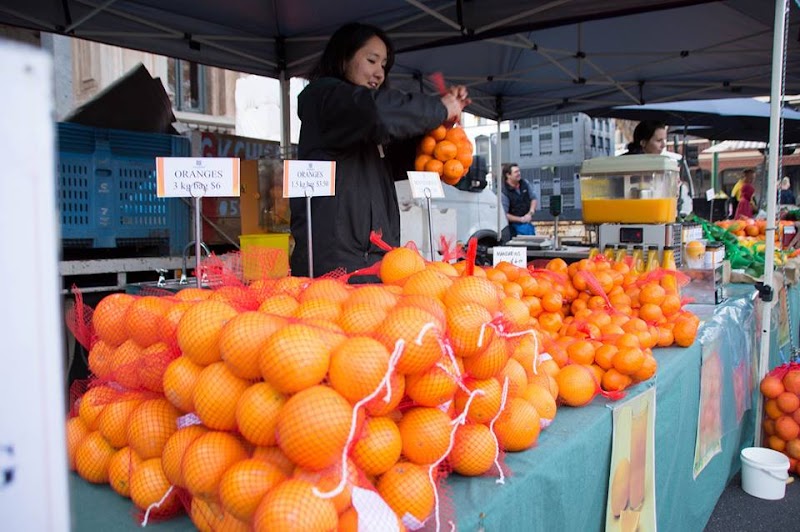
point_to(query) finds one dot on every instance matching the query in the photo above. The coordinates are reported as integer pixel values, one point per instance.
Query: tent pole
(776, 100)
(286, 121)
(498, 180)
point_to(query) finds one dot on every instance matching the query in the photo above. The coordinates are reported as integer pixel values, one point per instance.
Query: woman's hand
(456, 99)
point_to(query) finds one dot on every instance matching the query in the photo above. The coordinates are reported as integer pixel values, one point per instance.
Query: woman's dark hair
(343, 45)
(507, 168)
(644, 132)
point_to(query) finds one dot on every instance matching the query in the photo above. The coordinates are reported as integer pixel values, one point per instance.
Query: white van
(459, 216)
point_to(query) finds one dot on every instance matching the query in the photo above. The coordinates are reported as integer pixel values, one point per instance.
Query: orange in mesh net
(357, 367)
(275, 456)
(179, 381)
(101, 359)
(108, 318)
(468, 328)
(113, 420)
(541, 399)
(125, 365)
(425, 433)
(237, 296)
(75, 432)
(153, 363)
(313, 427)
(175, 448)
(434, 386)
(429, 304)
(330, 289)
(291, 285)
(295, 357)
(244, 485)
(292, 505)
(92, 403)
(485, 405)
(407, 489)
(143, 319)
(473, 289)
(490, 362)
(361, 318)
(576, 385)
(200, 328)
(327, 483)
(517, 379)
(380, 405)
(427, 282)
(168, 332)
(122, 465)
(207, 459)
(92, 458)
(241, 339)
(319, 308)
(150, 426)
(382, 296)
(257, 413)
(518, 426)
(193, 294)
(378, 447)
(399, 263)
(280, 305)
(474, 450)
(216, 393)
(152, 492)
(516, 316)
(420, 333)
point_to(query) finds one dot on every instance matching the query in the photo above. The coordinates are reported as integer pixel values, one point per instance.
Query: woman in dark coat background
(350, 116)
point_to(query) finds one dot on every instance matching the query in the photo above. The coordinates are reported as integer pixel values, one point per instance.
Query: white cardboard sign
(309, 178)
(425, 185)
(516, 255)
(181, 177)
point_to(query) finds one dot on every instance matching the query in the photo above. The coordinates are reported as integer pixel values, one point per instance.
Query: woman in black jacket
(350, 116)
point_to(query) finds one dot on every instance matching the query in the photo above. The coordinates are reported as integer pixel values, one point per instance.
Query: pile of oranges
(781, 390)
(446, 151)
(269, 405)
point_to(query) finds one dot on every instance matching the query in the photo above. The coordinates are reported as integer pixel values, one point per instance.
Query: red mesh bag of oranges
(446, 151)
(781, 390)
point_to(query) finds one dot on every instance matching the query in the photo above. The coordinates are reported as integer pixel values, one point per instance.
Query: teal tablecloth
(561, 484)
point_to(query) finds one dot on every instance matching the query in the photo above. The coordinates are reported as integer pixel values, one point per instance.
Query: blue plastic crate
(107, 190)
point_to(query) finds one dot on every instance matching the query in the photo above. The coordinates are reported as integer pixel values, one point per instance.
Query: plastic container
(668, 258)
(764, 473)
(629, 189)
(652, 259)
(264, 255)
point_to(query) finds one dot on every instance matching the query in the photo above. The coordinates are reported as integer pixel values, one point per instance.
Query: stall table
(561, 484)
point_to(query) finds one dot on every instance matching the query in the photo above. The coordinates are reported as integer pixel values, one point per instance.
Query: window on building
(565, 142)
(594, 141)
(526, 144)
(545, 143)
(186, 82)
(600, 141)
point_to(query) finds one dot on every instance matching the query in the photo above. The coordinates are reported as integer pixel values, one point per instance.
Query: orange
(143, 319)
(383, 406)
(771, 409)
(628, 360)
(652, 292)
(776, 443)
(452, 172)
(786, 428)
(473, 289)
(125, 365)
(108, 319)
(92, 403)
(400, 263)
(474, 450)
(431, 305)
(541, 399)
(257, 413)
(313, 427)
(101, 359)
(771, 386)
(427, 144)
(327, 482)
(295, 358)
(292, 505)
(517, 377)
(113, 420)
(207, 459)
(435, 386)
(200, 328)
(150, 426)
(483, 406)
(648, 369)
(455, 134)
(378, 447)
(357, 367)
(420, 332)
(428, 283)
(206, 516)
(788, 402)
(318, 308)
(445, 150)
(793, 448)
(604, 355)
(439, 133)
(685, 330)
(361, 318)
(468, 328)
(175, 448)
(376, 295)
(576, 385)
(518, 426)
(671, 304)
(244, 485)
(93, 457)
(421, 160)
(120, 469)
(149, 486)
(154, 362)
(434, 165)
(274, 456)
(216, 393)
(613, 380)
(516, 316)
(179, 381)
(425, 433)
(490, 362)
(75, 432)
(581, 352)
(241, 339)
(326, 288)
(791, 381)
(407, 489)
(280, 305)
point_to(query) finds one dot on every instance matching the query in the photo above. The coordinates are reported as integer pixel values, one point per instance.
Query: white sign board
(425, 185)
(184, 177)
(516, 255)
(309, 178)
(710, 194)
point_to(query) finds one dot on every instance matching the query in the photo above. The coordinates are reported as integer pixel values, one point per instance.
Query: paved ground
(737, 511)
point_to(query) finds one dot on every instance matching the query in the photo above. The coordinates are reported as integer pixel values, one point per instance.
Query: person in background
(744, 209)
(349, 115)
(685, 206)
(786, 196)
(650, 136)
(519, 201)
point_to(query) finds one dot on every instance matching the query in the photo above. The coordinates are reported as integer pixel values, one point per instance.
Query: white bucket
(764, 473)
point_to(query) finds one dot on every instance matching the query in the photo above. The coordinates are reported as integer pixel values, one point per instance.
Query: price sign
(425, 185)
(309, 178)
(178, 177)
(516, 255)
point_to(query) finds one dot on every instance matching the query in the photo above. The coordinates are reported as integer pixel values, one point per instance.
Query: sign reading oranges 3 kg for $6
(178, 177)
(309, 178)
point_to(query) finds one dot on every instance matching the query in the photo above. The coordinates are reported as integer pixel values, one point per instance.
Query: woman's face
(366, 67)
(657, 143)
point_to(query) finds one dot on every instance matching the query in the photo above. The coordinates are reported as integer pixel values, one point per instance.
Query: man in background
(519, 201)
